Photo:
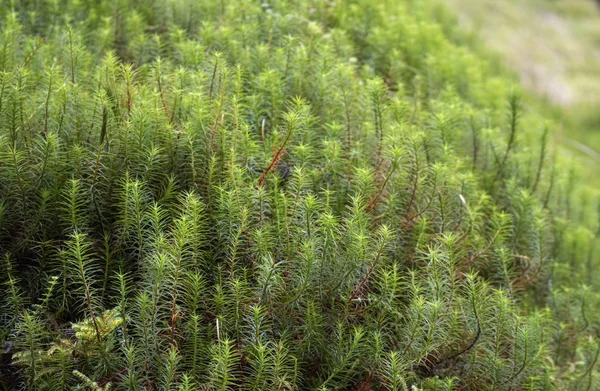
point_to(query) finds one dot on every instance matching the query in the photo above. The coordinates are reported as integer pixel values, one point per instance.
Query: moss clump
(293, 195)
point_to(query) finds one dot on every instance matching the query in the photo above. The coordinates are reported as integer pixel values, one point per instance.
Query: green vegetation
(553, 45)
(229, 195)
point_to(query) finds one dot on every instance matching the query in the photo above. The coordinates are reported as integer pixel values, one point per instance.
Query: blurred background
(553, 46)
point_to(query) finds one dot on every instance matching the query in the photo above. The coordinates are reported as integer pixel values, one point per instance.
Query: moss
(287, 195)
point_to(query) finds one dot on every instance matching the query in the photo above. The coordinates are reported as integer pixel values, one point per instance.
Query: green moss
(292, 195)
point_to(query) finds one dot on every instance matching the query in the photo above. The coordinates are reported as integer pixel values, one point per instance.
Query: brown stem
(275, 160)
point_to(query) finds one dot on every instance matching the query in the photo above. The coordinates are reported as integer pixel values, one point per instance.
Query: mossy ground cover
(232, 195)
(554, 48)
